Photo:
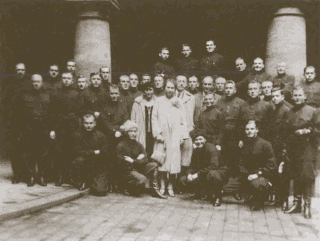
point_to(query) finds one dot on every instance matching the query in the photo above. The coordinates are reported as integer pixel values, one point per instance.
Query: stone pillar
(92, 45)
(287, 42)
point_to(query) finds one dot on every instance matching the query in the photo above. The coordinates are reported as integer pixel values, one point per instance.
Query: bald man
(33, 106)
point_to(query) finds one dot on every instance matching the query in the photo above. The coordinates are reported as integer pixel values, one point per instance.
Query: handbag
(159, 152)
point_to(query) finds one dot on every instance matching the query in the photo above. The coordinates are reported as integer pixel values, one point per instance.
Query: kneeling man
(206, 171)
(257, 167)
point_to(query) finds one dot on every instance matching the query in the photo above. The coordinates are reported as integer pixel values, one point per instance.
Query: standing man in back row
(211, 63)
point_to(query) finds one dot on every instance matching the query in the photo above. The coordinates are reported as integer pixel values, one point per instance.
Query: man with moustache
(211, 63)
(105, 76)
(134, 82)
(186, 64)
(81, 83)
(158, 86)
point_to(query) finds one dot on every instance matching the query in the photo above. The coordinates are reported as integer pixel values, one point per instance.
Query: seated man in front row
(206, 171)
(257, 167)
(90, 153)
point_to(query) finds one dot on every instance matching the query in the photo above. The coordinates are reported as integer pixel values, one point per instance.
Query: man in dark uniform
(90, 157)
(105, 75)
(82, 83)
(134, 89)
(230, 107)
(258, 74)
(277, 139)
(211, 63)
(257, 167)
(283, 77)
(159, 86)
(219, 85)
(163, 66)
(266, 87)
(193, 84)
(207, 171)
(242, 70)
(256, 109)
(187, 64)
(146, 78)
(65, 108)
(52, 79)
(33, 106)
(71, 67)
(311, 87)
(125, 94)
(114, 114)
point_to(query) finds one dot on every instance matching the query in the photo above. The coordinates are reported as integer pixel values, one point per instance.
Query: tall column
(287, 42)
(92, 46)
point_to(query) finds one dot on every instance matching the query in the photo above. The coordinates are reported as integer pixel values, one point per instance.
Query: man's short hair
(240, 58)
(133, 74)
(258, 58)
(267, 80)
(298, 88)
(230, 82)
(183, 76)
(173, 81)
(114, 86)
(103, 67)
(123, 76)
(207, 76)
(186, 45)
(308, 67)
(67, 72)
(54, 65)
(146, 86)
(88, 115)
(146, 75)
(71, 60)
(252, 122)
(81, 77)
(193, 76)
(164, 48)
(254, 82)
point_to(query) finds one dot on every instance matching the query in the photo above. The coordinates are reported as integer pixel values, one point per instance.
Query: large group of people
(191, 127)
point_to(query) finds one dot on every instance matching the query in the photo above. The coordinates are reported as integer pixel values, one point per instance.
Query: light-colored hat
(128, 125)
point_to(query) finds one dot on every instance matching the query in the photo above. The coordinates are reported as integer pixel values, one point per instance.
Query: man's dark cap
(198, 132)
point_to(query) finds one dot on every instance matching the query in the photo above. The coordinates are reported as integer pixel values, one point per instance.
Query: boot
(31, 182)
(42, 181)
(162, 185)
(83, 186)
(218, 198)
(284, 204)
(155, 186)
(257, 202)
(307, 208)
(170, 189)
(296, 207)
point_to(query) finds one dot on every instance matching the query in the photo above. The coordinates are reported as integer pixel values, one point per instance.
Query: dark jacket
(164, 67)
(312, 91)
(211, 63)
(93, 98)
(289, 81)
(128, 98)
(135, 92)
(257, 156)
(204, 160)
(187, 65)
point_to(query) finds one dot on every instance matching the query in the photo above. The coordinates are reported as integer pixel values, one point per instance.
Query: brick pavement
(119, 217)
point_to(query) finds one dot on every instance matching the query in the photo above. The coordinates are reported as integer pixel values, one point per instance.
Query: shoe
(170, 192)
(42, 182)
(217, 202)
(82, 187)
(237, 197)
(31, 182)
(307, 210)
(296, 207)
(58, 182)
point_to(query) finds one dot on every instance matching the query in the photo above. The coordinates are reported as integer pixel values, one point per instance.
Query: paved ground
(119, 217)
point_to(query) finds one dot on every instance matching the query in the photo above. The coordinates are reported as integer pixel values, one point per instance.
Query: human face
(132, 133)
(21, 70)
(105, 72)
(310, 74)
(251, 130)
(37, 82)
(148, 93)
(164, 55)
(240, 65)
(96, 80)
(208, 100)
(181, 83)
(220, 82)
(210, 46)
(254, 90)
(114, 94)
(145, 79)
(281, 68)
(193, 83)
(54, 71)
(207, 85)
(170, 90)
(230, 89)
(133, 80)
(277, 97)
(258, 64)
(158, 82)
(124, 83)
(200, 141)
(71, 66)
(298, 96)
(67, 79)
(82, 83)
(89, 123)
(186, 51)
(266, 88)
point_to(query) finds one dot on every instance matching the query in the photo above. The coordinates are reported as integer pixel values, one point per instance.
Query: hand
(52, 135)
(280, 169)
(160, 138)
(240, 144)
(194, 146)
(252, 177)
(195, 176)
(299, 132)
(96, 152)
(128, 159)
(218, 147)
(189, 177)
(96, 114)
(117, 134)
(141, 156)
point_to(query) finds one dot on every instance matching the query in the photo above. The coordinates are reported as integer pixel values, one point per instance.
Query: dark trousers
(230, 153)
